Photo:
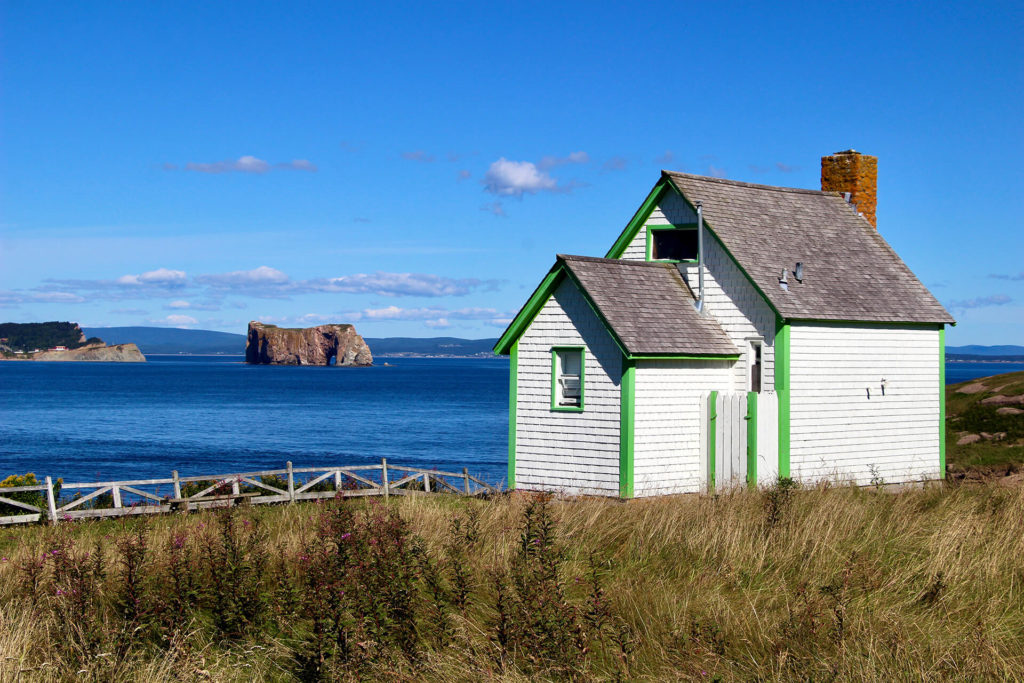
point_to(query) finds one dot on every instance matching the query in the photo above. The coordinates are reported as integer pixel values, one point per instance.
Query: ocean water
(216, 415)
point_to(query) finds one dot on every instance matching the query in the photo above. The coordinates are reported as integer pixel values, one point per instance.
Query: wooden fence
(152, 496)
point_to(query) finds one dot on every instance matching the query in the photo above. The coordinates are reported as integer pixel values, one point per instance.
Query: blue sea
(217, 415)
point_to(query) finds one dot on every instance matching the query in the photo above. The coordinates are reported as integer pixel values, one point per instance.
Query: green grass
(966, 414)
(831, 583)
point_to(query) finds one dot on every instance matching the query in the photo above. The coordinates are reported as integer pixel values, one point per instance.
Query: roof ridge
(756, 186)
(617, 261)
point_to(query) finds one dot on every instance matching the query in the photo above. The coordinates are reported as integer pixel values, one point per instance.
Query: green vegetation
(831, 583)
(42, 336)
(984, 431)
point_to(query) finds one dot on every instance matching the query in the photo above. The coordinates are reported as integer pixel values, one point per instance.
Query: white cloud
(432, 316)
(182, 305)
(245, 164)
(514, 178)
(263, 275)
(439, 323)
(161, 277)
(397, 284)
(13, 297)
(176, 320)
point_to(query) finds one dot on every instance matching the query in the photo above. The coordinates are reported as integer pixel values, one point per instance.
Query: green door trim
(627, 427)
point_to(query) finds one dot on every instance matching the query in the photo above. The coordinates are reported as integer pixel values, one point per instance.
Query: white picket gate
(739, 437)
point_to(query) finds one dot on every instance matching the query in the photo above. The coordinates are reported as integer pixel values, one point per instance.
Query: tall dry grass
(781, 584)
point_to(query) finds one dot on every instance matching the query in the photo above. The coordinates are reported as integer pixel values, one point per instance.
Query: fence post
(465, 475)
(426, 482)
(337, 480)
(384, 477)
(116, 492)
(51, 503)
(291, 482)
(235, 489)
(177, 484)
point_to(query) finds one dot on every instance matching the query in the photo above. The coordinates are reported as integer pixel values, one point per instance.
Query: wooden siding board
(569, 452)
(837, 430)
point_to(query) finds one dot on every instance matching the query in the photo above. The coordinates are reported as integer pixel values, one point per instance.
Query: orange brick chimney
(856, 173)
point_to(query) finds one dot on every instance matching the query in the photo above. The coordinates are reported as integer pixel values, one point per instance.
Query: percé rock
(272, 345)
(119, 353)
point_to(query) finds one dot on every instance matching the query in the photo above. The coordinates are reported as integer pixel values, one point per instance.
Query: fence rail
(287, 485)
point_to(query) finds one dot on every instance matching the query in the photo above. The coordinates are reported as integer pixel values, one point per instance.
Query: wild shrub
(34, 498)
(234, 557)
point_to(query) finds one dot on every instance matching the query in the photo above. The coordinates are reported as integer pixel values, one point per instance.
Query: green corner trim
(513, 398)
(752, 438)
(638, 220)
(782, 385)
(942, 401)
(627, 427)
(712, 437)
(554, 375)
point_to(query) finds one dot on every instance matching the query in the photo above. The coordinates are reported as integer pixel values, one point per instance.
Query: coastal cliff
(272, 345)
(119, 353)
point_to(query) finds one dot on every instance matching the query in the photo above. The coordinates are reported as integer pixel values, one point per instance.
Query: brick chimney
(856, 173)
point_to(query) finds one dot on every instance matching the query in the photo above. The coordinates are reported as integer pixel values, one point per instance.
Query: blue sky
(414, 168)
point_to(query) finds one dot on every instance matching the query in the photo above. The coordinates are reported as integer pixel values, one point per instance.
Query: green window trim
(513, 409)
(627, 427)
(650, 229)
(638, 219)
(554, 379)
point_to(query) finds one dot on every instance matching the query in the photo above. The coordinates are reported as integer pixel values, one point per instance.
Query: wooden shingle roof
(849, 272)
(647, 307)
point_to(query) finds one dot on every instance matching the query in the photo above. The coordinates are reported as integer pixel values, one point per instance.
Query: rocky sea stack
(321, 345)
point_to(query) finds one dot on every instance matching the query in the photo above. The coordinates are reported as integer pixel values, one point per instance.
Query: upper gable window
(676, 243)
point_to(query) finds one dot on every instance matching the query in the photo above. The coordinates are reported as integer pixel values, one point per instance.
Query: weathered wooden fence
(152, 496)
(739, 438)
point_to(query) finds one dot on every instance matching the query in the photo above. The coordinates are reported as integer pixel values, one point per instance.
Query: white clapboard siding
(576, 453)
(731, 441)
(728, 294)
(767, 438)
(841, 424)
(666, 446)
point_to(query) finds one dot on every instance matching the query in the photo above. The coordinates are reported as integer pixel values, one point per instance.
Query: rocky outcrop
(119, 353)
(272, 345)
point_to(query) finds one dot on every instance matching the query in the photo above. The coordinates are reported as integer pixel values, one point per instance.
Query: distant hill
(976, 350)
(430, 346)
(30, 336)
(172, 340)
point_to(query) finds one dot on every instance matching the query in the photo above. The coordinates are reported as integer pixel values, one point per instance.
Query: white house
(733, 333)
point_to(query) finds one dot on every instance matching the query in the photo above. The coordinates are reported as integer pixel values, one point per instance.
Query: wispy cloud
(175, 320)
(244, 164)
(181, 304)
(263, 275)
(760, 170)
(128, 311)
(418, 155)
(432, 316)
(497, 208)
(400, 284)
(666, 158)
(161, 277)
(463, 174)
(715, 171)
(615, 164)
(1006, 276)
(549, 162)
(981, 302)
(20, 297)
(786, 168)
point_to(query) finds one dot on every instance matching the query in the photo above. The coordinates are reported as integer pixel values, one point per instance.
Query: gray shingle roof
(850, 272)
(648, 306)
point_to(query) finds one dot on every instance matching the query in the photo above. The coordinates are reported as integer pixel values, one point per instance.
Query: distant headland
(61, 342)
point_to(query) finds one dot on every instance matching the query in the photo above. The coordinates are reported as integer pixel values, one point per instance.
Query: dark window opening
(674, 245)
(755, 367)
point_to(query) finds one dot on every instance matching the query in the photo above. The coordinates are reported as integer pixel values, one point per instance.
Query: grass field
(831, 583)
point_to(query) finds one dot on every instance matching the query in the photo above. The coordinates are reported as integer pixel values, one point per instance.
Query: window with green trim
(567, 378)
(676, 243)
